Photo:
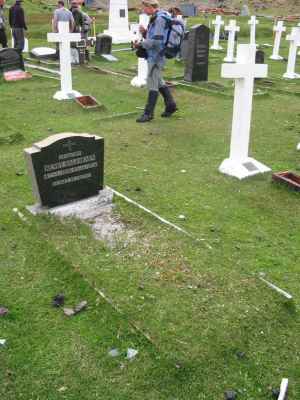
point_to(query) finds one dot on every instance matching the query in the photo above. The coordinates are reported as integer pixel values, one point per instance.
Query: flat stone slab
(83, 209)
(97, 212)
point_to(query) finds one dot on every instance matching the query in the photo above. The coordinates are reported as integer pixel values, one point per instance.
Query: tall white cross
(239, 164)
(218, 23)
(64, 38)
(294, 39)
(232, 28)
(253, 22)
(141, 79)
(278, 29)
(118, 22)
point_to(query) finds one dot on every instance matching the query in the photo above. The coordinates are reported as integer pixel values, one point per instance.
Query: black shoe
(144, 118)
(148, 113)
(170, 105)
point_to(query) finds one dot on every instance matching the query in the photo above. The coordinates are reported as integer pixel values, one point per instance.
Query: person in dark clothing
(17, 24)
(3, 37)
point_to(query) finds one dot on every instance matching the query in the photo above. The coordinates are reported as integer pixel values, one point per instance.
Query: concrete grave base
(242, 169)
(97, 212)
(60, 95)
(276, 58)
(293, 75)
(119, 37)
(138, 81)
(216, 48)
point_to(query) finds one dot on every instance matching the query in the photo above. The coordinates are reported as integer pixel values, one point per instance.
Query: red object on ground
(17, 75)
(87, 102)
(289, 178)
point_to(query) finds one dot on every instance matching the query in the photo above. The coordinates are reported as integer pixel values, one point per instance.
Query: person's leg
(3, 38)
(152, 85)
(18, 34)
(170, 105)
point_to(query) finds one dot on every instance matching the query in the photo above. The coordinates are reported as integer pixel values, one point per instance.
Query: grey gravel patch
(98, 212)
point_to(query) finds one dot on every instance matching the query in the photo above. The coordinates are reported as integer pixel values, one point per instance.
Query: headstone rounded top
(60, 136)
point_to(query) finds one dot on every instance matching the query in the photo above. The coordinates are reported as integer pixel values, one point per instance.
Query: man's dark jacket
(16, 17)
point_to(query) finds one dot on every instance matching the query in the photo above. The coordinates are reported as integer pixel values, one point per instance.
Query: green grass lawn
(190, 307)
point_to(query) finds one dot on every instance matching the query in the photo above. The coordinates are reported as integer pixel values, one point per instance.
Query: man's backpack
(173, 37)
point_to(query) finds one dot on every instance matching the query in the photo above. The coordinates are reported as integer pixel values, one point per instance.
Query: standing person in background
(18, 25)
(3, 37)
(61, 14)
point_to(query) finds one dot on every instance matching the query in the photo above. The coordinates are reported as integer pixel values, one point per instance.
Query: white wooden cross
(294, 39)
(232, 28)
(253, 22)
(278, 29)
(64, 38)
(218, 23)
(239, 164)
(141, 79)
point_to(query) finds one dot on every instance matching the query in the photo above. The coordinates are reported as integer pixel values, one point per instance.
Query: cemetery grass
(195, 309)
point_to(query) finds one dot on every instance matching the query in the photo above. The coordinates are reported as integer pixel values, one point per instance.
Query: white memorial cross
(218, 23)
(64, 38)
(118, 22)
(253, 22)
(239, 164)
(141, 79)
(278, 29)
(232, 28)
(294, 39)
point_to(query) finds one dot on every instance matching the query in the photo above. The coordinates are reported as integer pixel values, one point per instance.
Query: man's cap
(153, 3)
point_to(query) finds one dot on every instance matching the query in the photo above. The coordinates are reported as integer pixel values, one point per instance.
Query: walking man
(3, 37)
(154, 42)
(18, 25)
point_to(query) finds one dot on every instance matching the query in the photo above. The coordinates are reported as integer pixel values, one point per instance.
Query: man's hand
(136, 44)
(142, 30)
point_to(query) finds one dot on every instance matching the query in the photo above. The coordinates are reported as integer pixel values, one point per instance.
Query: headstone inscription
(232, 28)
(141, 79)
(66, 167)
(196, 66)
(244, 71)
(64, 38)
(103, 44)
(294, 39)
(278, 29)
(218, 23)
(118, 23)
(10, 60)
(253, 22)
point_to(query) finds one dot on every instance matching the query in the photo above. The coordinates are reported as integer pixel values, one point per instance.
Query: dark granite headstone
(259, 57)
(10, 59)
(103, 44)
(196, 66)
(66, 167)
(188, 10)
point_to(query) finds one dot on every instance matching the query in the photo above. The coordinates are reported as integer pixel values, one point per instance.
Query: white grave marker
(278, 29)
(294, 39)
(118, 23)
(239, 164)
(232, 28)
(253, 22)
(141, 79)
(218, 23)
(64, 38)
